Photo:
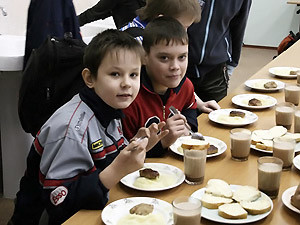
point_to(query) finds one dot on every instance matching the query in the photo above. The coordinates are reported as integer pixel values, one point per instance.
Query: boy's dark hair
(172, 8)
(105, 42)
(164, 29)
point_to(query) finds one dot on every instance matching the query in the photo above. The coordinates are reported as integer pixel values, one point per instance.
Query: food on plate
(263, 139)
(293, 72)
(254, 102)
(218, 187)
(259, 206)
(270, 84)
(246, 193)
(212, 150)
(235, 113)
(194, 144)
(295, 199)
(213, 202)
(161, 181)
(149, 173)
(232, 211)
(295, 136)
(142, 209)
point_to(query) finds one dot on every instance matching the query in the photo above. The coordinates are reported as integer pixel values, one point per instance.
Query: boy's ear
(87, 77)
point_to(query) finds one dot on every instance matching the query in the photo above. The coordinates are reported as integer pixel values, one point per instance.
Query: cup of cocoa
(186, 210)
(240, 140)
(284, 114)
(269, 173)
(292, 93)
(284, 149)
(297, 121)
(298, 77)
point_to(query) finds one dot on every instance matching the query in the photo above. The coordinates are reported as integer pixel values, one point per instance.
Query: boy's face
(118, 78)
(166, 65)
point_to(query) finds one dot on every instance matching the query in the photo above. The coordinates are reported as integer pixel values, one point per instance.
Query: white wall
(270, 21)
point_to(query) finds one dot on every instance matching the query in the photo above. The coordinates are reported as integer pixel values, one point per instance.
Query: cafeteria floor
(252, 59)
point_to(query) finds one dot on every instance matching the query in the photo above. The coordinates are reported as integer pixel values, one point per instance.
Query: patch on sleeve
(58, 195)
(97, 145)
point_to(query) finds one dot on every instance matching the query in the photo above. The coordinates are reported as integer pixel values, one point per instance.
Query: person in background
(186, 12)
(215, 46)
(49, 18)
(80, 152)
(122, 11)
(164, 84)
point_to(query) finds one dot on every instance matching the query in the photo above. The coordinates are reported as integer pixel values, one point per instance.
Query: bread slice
(246, 193)
(265, 145)
(218, 187)
(194, 144)
(295, 136)
(232, 211)
(277, 131)
(264, 134)
(213, 202)
(257, 207)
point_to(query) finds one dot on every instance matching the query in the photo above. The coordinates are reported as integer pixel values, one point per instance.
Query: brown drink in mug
(284, 149)
(240, 139)
(284, 114)
(297, 121)
(194, 165)
(186, 211)
(269, 172)
(298, 78)
(292, 94)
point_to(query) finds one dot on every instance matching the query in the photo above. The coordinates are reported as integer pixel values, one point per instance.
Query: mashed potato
(150, 219)
(164, 180)
(230, 119)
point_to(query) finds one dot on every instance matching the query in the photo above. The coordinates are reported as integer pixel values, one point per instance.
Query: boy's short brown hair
(164, 30)
(171, 8)
(105, 42)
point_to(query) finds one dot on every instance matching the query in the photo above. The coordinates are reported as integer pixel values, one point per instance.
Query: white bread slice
(218, 187)
(246, 193)
(232, 211)
(213, 202)
(277, 131)
(264, 134)
(194, 144)
(257, 207)
(265, 145)
(295, 136)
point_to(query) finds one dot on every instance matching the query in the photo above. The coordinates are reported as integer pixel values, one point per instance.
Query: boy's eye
(134, 75)
(182, 57)
(115, 74)
(164, 58)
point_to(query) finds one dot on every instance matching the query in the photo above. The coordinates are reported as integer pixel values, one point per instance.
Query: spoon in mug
(195, 135)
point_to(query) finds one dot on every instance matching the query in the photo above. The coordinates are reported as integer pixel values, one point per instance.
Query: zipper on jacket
(164, 112)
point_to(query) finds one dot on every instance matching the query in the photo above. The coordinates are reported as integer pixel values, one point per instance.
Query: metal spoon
(195, 135)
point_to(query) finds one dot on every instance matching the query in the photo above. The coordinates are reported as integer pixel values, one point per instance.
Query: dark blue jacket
(218, 37)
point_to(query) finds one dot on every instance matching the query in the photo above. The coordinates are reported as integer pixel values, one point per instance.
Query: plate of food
(154, 177)
(262, 140)
(233, 117)
(264, 85)
(286, 198)
(138, 210)
(254, 101)
(216, 146)
(233, 204)
(296, 161)
(284, 72)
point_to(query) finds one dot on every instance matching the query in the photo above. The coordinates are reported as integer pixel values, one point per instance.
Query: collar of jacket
(103, 112)
(146, 82)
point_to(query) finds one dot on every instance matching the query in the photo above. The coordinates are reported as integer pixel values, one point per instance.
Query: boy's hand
(209, 106)
(176, 127)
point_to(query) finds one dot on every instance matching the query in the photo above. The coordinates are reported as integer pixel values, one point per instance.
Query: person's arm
(101, 10)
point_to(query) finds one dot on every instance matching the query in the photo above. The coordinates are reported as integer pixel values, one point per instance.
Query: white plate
(257, 84)
(286, 198)
(113, 212)
(283, 72)
(212, 214)
(249, 118)
(162, 168)
(243, 99)
(297, 149)
(296, 162)
(213, 141)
